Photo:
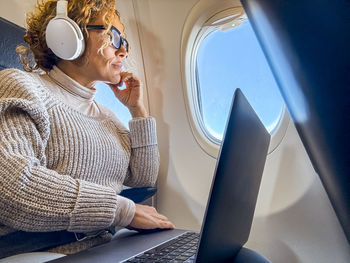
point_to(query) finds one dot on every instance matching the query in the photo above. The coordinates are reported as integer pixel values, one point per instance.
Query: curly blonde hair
(81, 11)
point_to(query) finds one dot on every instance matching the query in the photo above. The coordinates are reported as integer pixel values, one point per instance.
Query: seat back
(11, 36)
(308, 51)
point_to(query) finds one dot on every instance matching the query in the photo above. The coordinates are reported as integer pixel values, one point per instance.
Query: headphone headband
(61, 8)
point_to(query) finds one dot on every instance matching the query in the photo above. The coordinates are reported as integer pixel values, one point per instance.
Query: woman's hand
(147, 217)
(131, 96)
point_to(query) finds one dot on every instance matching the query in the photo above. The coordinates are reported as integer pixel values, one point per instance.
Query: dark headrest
(11, 36)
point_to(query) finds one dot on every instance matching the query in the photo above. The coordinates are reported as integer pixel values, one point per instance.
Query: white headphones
(63, 35)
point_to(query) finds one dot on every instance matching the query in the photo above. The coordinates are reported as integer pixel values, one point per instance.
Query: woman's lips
(117, 65)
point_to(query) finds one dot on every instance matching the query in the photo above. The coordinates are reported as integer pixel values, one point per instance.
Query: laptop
(230, 208)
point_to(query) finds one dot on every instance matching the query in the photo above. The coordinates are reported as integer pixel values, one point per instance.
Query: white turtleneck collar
(70, 85)
(72, 93)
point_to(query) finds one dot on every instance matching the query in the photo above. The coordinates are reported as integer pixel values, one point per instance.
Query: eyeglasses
(117, 41)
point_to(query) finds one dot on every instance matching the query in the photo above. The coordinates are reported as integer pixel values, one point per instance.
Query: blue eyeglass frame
(113, 29)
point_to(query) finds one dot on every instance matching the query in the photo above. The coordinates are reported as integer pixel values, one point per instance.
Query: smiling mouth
(118, 65)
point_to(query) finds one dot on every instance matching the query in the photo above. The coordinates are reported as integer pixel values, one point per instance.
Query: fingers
(129, 79)
(167, 225)
(153, 212)
(147, 217)
(161, 223)
(125, 75)
(161, 217)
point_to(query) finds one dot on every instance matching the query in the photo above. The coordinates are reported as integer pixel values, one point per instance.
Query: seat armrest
(139, 194)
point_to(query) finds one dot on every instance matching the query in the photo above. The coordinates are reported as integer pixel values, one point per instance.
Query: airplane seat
(246, 255)
(139, 194)
(11, 37)
(308, 52)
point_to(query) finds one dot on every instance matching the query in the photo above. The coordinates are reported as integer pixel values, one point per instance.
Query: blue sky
(106, 97)
(233, 59)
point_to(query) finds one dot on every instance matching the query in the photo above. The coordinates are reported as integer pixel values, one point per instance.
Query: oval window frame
(205, 17)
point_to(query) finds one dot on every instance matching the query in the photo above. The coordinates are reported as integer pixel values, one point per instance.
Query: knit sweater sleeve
(144, 160)
(33, 197)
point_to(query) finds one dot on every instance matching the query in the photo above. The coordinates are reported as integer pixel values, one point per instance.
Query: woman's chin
(115, 80)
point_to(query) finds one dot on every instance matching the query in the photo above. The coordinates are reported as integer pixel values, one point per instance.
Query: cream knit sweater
(62, 169)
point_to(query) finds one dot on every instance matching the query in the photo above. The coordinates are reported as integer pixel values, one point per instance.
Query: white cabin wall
(15, 10)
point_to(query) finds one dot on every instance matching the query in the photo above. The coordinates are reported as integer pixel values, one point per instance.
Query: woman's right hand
(147, 217)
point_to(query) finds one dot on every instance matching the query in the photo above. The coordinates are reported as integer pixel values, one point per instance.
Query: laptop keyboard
(180, 249)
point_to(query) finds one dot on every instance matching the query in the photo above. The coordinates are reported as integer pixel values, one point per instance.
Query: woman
(63, 157)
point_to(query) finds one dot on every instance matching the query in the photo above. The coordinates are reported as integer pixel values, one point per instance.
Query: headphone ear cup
(64, 38)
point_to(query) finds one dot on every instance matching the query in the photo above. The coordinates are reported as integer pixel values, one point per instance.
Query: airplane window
(232, 59)
(106, 97)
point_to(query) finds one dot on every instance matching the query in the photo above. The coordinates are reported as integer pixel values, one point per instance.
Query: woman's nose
(121, 52)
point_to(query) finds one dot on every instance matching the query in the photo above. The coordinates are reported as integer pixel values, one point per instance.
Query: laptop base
(125, 244)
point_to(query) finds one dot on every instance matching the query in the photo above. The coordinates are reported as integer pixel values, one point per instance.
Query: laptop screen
(235, 186)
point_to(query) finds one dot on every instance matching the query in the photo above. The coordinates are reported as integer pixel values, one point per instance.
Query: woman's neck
(79, 73)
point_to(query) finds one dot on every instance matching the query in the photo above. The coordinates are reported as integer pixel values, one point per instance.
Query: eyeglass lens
(118, 41)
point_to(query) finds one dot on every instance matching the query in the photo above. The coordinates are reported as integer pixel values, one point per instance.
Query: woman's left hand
(131, 96)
